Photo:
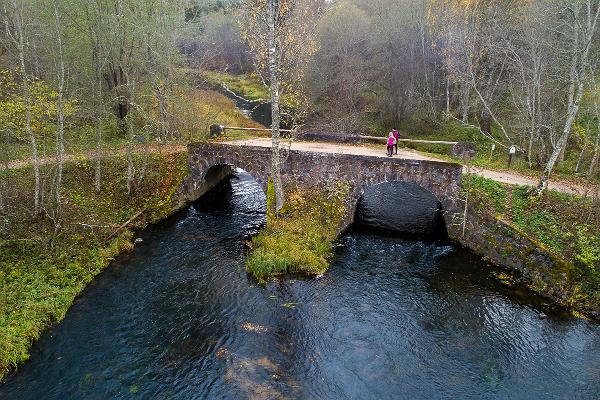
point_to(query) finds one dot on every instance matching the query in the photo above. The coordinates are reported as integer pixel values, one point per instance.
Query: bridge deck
(408, 154)
(320, 147)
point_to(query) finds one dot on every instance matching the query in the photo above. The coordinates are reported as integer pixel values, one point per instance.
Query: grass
(299, 239)
(567, 226)
(247, 86)
(42, 273)
(193, 112)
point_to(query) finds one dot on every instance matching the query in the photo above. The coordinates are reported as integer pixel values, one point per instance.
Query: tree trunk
(272, 15)
(580, 160)
(596, 151)
(448, 97)
(465, 103)
(60, 141)
(579, 63)
(562, 142)
(130, 167)
(20, 43)
(595, 157)
(97, 93)
(162, 112)
(486, 122)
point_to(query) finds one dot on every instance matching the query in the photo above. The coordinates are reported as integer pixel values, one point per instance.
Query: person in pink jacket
(390, 144)
(396, 136)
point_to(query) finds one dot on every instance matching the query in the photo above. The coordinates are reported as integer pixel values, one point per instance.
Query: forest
(80, 75)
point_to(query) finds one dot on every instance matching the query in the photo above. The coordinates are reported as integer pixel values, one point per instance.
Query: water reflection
(179, 319)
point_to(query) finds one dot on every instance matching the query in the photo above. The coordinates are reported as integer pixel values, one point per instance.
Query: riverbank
(299, 239)
(43, 272)
(552, 241)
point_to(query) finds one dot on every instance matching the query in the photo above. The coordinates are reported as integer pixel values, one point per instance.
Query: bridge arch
(401, 207)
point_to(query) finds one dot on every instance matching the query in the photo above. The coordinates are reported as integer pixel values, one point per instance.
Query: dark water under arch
(393, 319)
(402, 208)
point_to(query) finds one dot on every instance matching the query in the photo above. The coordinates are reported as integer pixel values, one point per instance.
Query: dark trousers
(396, 146)
(390, 150)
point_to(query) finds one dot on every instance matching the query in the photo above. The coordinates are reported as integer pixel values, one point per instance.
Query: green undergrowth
(299, 240)
(567, 226)
(193, 111)
(41, 273)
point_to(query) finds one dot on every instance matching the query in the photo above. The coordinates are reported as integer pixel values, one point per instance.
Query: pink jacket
(390, 141)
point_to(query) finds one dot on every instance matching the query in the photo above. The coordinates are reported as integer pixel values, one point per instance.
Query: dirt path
(517, 179)
(164, 149)
(500, 176)
(320, 147)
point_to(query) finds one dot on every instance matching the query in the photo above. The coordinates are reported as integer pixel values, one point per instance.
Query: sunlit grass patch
(247, 86)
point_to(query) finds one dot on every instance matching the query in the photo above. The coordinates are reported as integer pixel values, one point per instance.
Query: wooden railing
(222, 129)
(217, 130)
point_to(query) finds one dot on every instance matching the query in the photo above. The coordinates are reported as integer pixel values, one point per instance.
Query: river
(178, 318)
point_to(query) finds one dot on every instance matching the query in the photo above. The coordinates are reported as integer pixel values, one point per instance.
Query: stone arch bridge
(210, 163)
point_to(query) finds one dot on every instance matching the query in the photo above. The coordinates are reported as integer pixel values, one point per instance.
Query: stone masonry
(210, 162)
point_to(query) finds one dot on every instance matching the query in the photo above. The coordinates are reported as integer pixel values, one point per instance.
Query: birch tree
(14, 16)
(581, 19)
(281, 36)
(60, 115)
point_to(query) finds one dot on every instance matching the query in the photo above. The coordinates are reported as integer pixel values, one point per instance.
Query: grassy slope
(41, 274)
(247, 86)
(566, 225)
(299, 240)
(193, 113)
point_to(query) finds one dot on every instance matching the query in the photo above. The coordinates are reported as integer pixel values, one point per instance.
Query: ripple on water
(179, 318)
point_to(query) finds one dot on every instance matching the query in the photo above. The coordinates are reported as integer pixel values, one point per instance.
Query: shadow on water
(178, 318)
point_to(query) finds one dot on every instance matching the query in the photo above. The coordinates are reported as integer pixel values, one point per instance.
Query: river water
(178, 318)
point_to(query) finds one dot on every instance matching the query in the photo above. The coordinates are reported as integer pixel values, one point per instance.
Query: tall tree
(280, 34)
(14, 16)
(60, 115)
(580, 20)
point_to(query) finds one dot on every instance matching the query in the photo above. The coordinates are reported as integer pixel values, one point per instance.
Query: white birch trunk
(272, 14)
(60, 142)
(579, 63)
(19, 41)
(97, 90)
(596, 151)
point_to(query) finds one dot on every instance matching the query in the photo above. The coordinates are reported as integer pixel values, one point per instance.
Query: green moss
(489, 196)
(42, 273)
(565, 227)
(299, 239)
